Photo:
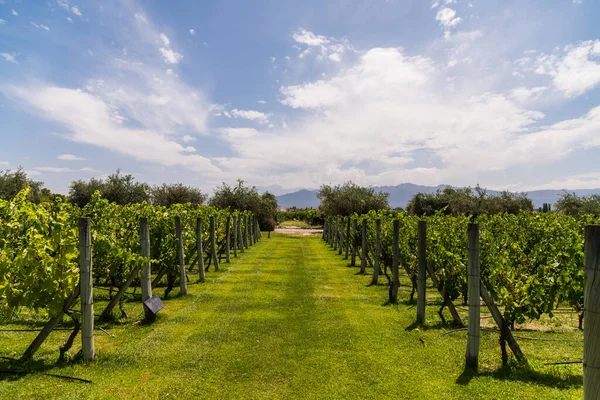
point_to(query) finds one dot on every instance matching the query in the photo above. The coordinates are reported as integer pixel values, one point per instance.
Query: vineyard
(524, 267)
(54, 254)
(459, 287)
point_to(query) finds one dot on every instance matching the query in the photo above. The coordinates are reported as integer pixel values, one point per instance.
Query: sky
(296, 94)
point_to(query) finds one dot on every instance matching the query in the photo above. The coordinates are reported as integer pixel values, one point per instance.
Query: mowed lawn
(289, 319)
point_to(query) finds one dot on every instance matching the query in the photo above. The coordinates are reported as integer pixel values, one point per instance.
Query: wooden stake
(395, 284)
(213, 243)
(363, 260)
(422, 272)
(472, 357)
(376, 265)
(227, 243)
(87, 292)
(235, 235)
(591, 329)
(354, 246)
(347, 241)
(146, 281)
(200, 250)
(182, 277)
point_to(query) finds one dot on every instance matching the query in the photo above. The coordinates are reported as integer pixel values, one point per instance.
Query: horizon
(302, 93)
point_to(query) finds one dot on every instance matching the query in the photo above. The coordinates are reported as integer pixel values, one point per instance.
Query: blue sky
(299, 93)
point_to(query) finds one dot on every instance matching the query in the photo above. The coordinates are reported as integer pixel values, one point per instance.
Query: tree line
(125, 189)
(349, 198)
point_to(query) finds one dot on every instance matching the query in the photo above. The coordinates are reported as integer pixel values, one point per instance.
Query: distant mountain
(302, 199)
(401, 194)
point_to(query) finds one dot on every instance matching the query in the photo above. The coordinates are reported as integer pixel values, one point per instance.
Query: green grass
(298, 224)
(288, 319)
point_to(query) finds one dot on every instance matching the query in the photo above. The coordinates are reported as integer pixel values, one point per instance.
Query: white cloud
(70, 157)
(128, 106)
(250, 115)
(170, 56)
(73, 9)
(9, 57)
(523, 95)
(262, 102)
(192, 32)
(372, 123)
(447, 18)
(188, 138)
(13, 12)
(4, 163)
(54, 169)
(40, 26)
(325, 48)
(89, 119)
(574, 72)
(70, 19)
(141, 18)
(165, 40)
(90, 170)
(2, 21)
(435, 4)
(577, 2)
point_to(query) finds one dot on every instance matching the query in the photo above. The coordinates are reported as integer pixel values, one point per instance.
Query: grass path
(287, 320)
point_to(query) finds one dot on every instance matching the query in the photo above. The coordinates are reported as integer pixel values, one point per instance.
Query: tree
(350, 198)
(177, 193)
(117, 188)
(245, 198)
(12, 182)
(571, 204)
(467, 201)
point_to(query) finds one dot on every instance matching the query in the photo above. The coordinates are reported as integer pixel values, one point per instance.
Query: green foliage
(530, 262)
(350, 198)
(38, 253)
(12, 182)
(245, 198)
(177, 193)
(571, 204)
(117, 188)
(467, 201)
(309, 215)
(39, 245)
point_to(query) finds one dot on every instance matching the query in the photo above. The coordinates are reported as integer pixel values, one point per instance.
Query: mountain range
(401, 194)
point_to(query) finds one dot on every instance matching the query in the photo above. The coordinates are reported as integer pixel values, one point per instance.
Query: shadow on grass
(515, 373)
(13, 370)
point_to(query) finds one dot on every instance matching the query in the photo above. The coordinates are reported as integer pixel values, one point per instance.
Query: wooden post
(87, 292)
(251, 231)
(336, 234)
(347, 238)
(235, 235)
(354, 247)
(472, 357)
(246, 237)
(395, 284)
(199, 250)
(146, 281)
(363, 260)
(341, 236)
(227, 242)
(591, 329)
(182, 277)
(422, 272)
(324, 233)
(376, 266)
(213, 243)
(240, 234)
